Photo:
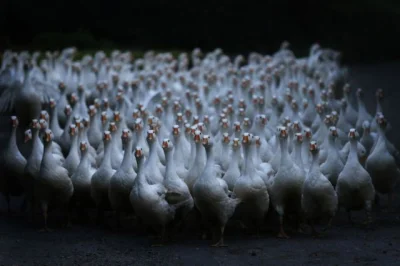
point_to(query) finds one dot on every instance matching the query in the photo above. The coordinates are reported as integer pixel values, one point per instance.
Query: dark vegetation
(364, 30)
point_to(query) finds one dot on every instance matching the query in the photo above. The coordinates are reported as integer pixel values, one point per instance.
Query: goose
(210, 197)
(73, 158)
(150, 201)
(153, 168)
(101, 179)
(264, 169)
(381, 165)
(178, 191)
(179, 153)
(53, 184)
(354, 186)
(13, 164)
(198, 164)
(350, 113)
(251, 189)
(333, 165)
(318, 197)
(94, 131)
(286, 186)
(363, 114)
(233, 172)
(81, 180)
(122, 181)
(54, 124)
(368, 139)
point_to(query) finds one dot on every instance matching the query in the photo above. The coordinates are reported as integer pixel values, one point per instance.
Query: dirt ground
(344, 244)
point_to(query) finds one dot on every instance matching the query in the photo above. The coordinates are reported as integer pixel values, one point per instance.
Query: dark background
(364, 30)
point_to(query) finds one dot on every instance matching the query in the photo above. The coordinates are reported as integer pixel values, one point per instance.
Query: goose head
(80, 90)
(314, 147)
(107, 136)
(27, 135)
(366, 127)
(225, 138)
(97, 103)
(43, 124)
(106, 104)
(74, 99)
(175, 131)
(333, 132)
(328, 120)
(92, 111)
(126, 135)
(257, 141)
(83, 146)
(103, 118)
(206, 120)
(68, 110)
(52, 103)
(246, 123)
(151, 136)
(283, 132)
(188, 130)
(73, 130)
(167, 145)
(14, 121)
(296, 126)
(201, 127)
(48, 136)
(44, 115)
(353, 135)
(207, 142)
(196, 120)
(179, 118)
(299, 137)
(236, 144)
(197, 136)
(112, 127)
(319, 108)
(359, 93)
(117, 116)
(35, 124)
(381, 121)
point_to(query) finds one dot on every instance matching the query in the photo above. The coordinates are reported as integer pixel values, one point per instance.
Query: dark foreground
(344, 244)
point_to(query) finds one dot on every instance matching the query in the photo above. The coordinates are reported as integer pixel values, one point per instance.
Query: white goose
(122, 181)
(53, 184)
(286, 186)
(210, 197)
(319, 199)
(251, 189)
(381, 165)
(354, 186)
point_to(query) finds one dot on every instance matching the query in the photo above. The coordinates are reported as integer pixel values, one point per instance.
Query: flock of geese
(162, 137)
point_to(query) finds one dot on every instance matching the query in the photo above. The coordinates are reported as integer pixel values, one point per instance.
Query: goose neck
(152, 153)
(210, 157)
(170, 167)
(314, 162)
(126, 161)
(353, 150)
(106, 163)
(13, 138)
(284, 150)
(248, 164)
